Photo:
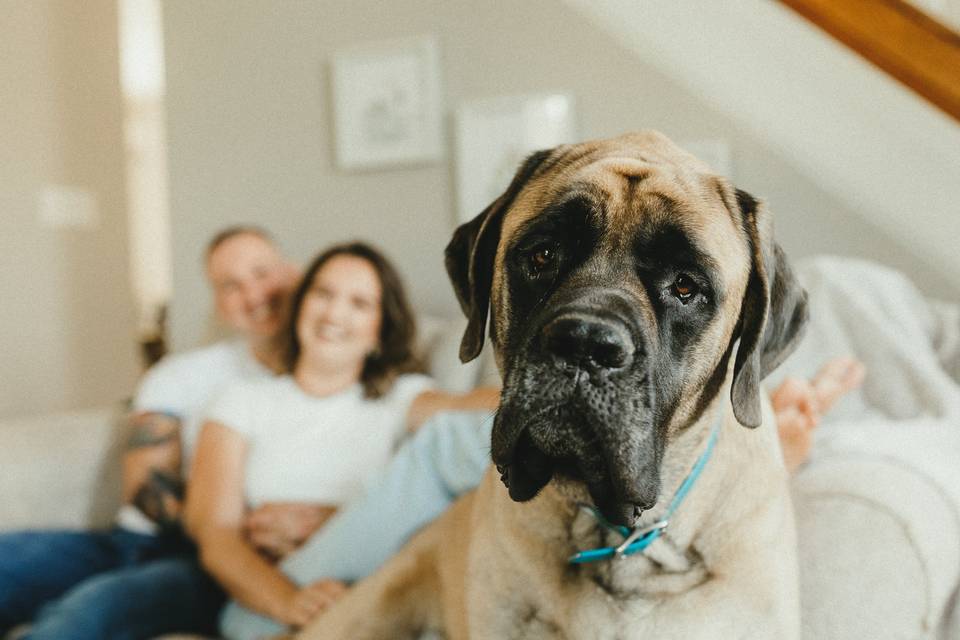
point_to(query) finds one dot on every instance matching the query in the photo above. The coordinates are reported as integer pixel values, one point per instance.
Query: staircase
(909, 44)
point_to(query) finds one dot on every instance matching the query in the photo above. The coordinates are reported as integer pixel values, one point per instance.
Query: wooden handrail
(900, 39)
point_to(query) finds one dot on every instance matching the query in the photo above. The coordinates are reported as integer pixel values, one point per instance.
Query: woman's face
(339, 322)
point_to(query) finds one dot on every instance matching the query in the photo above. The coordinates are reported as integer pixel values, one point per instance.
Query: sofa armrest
(946, 335)
(877, 547)
(60, 470)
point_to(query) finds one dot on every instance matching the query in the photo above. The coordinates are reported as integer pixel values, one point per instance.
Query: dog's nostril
(588, 341)
(611, 354)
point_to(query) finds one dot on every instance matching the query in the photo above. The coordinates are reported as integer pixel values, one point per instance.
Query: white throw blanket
(908, 409)
(908, 343)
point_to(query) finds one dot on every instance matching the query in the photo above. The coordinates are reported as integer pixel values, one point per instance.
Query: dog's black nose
(586, 341)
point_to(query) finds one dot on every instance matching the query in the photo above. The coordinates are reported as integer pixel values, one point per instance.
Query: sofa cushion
(60, 469)
(878, 547)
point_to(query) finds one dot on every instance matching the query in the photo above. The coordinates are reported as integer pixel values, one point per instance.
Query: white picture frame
(494, 135)
(387, 103)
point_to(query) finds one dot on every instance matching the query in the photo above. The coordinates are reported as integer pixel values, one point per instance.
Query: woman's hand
(278, 528)
(312, 600)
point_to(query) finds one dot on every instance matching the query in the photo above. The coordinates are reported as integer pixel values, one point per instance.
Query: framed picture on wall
(494, 135)
(387, 103)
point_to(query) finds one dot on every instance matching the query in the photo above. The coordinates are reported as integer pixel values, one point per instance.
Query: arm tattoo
(160, 497)
(149, 429)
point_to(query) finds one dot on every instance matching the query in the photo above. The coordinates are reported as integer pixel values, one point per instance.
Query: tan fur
(494, 569)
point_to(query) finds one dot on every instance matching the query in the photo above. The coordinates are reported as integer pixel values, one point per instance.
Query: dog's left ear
(773, 314)
(470, 255)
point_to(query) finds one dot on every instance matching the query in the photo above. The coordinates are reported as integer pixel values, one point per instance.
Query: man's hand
(312, 600)
(278, 528)
(160, 498)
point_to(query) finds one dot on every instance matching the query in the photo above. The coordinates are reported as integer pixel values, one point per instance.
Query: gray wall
(66, 315)
(250, 139)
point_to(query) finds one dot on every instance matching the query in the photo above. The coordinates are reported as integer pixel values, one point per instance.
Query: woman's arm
(214, 517)
(432, 402)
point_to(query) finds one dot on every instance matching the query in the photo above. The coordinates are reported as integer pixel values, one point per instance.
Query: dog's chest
(525, 618)
(584, 611)
(609, 600)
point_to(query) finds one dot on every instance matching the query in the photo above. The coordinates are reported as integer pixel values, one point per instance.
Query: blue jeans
(444, 459)
(118, 585)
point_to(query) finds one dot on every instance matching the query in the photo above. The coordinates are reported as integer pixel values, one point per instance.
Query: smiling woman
(352, 318)
(313, 437)
(339, 320)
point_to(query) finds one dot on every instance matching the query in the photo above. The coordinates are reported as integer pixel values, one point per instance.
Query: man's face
(250, 281)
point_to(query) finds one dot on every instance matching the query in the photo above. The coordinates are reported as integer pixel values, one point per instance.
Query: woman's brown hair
(398, 331)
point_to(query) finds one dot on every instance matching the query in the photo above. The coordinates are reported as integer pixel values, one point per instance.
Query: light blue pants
(445, 458)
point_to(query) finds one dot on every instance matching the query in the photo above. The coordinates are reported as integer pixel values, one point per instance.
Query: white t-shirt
(184, 385)
(302, 448)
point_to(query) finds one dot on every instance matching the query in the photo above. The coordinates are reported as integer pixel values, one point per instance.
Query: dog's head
(621, 277)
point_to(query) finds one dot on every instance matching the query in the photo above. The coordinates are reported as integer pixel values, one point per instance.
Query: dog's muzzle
(576, 406)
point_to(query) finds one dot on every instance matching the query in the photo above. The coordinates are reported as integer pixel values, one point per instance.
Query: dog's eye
(684, 288)
(543, 258)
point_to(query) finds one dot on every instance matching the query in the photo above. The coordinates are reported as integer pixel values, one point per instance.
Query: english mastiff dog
(635, 302)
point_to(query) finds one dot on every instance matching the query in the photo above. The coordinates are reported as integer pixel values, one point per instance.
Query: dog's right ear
(773, 314)
(470, 255)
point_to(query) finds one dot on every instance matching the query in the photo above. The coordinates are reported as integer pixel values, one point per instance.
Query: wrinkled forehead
(630, 198)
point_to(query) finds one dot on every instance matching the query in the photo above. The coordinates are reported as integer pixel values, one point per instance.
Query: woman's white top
(302, 448)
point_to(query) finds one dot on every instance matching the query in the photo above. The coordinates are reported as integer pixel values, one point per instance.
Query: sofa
(62, 470)
(877, 517)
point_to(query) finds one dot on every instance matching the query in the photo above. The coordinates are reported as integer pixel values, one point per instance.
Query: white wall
(66, 317)
(249, 124)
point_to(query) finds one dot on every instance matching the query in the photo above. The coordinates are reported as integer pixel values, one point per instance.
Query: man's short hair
(234, 231)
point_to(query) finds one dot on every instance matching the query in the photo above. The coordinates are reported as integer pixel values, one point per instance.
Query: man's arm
(152, 478)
